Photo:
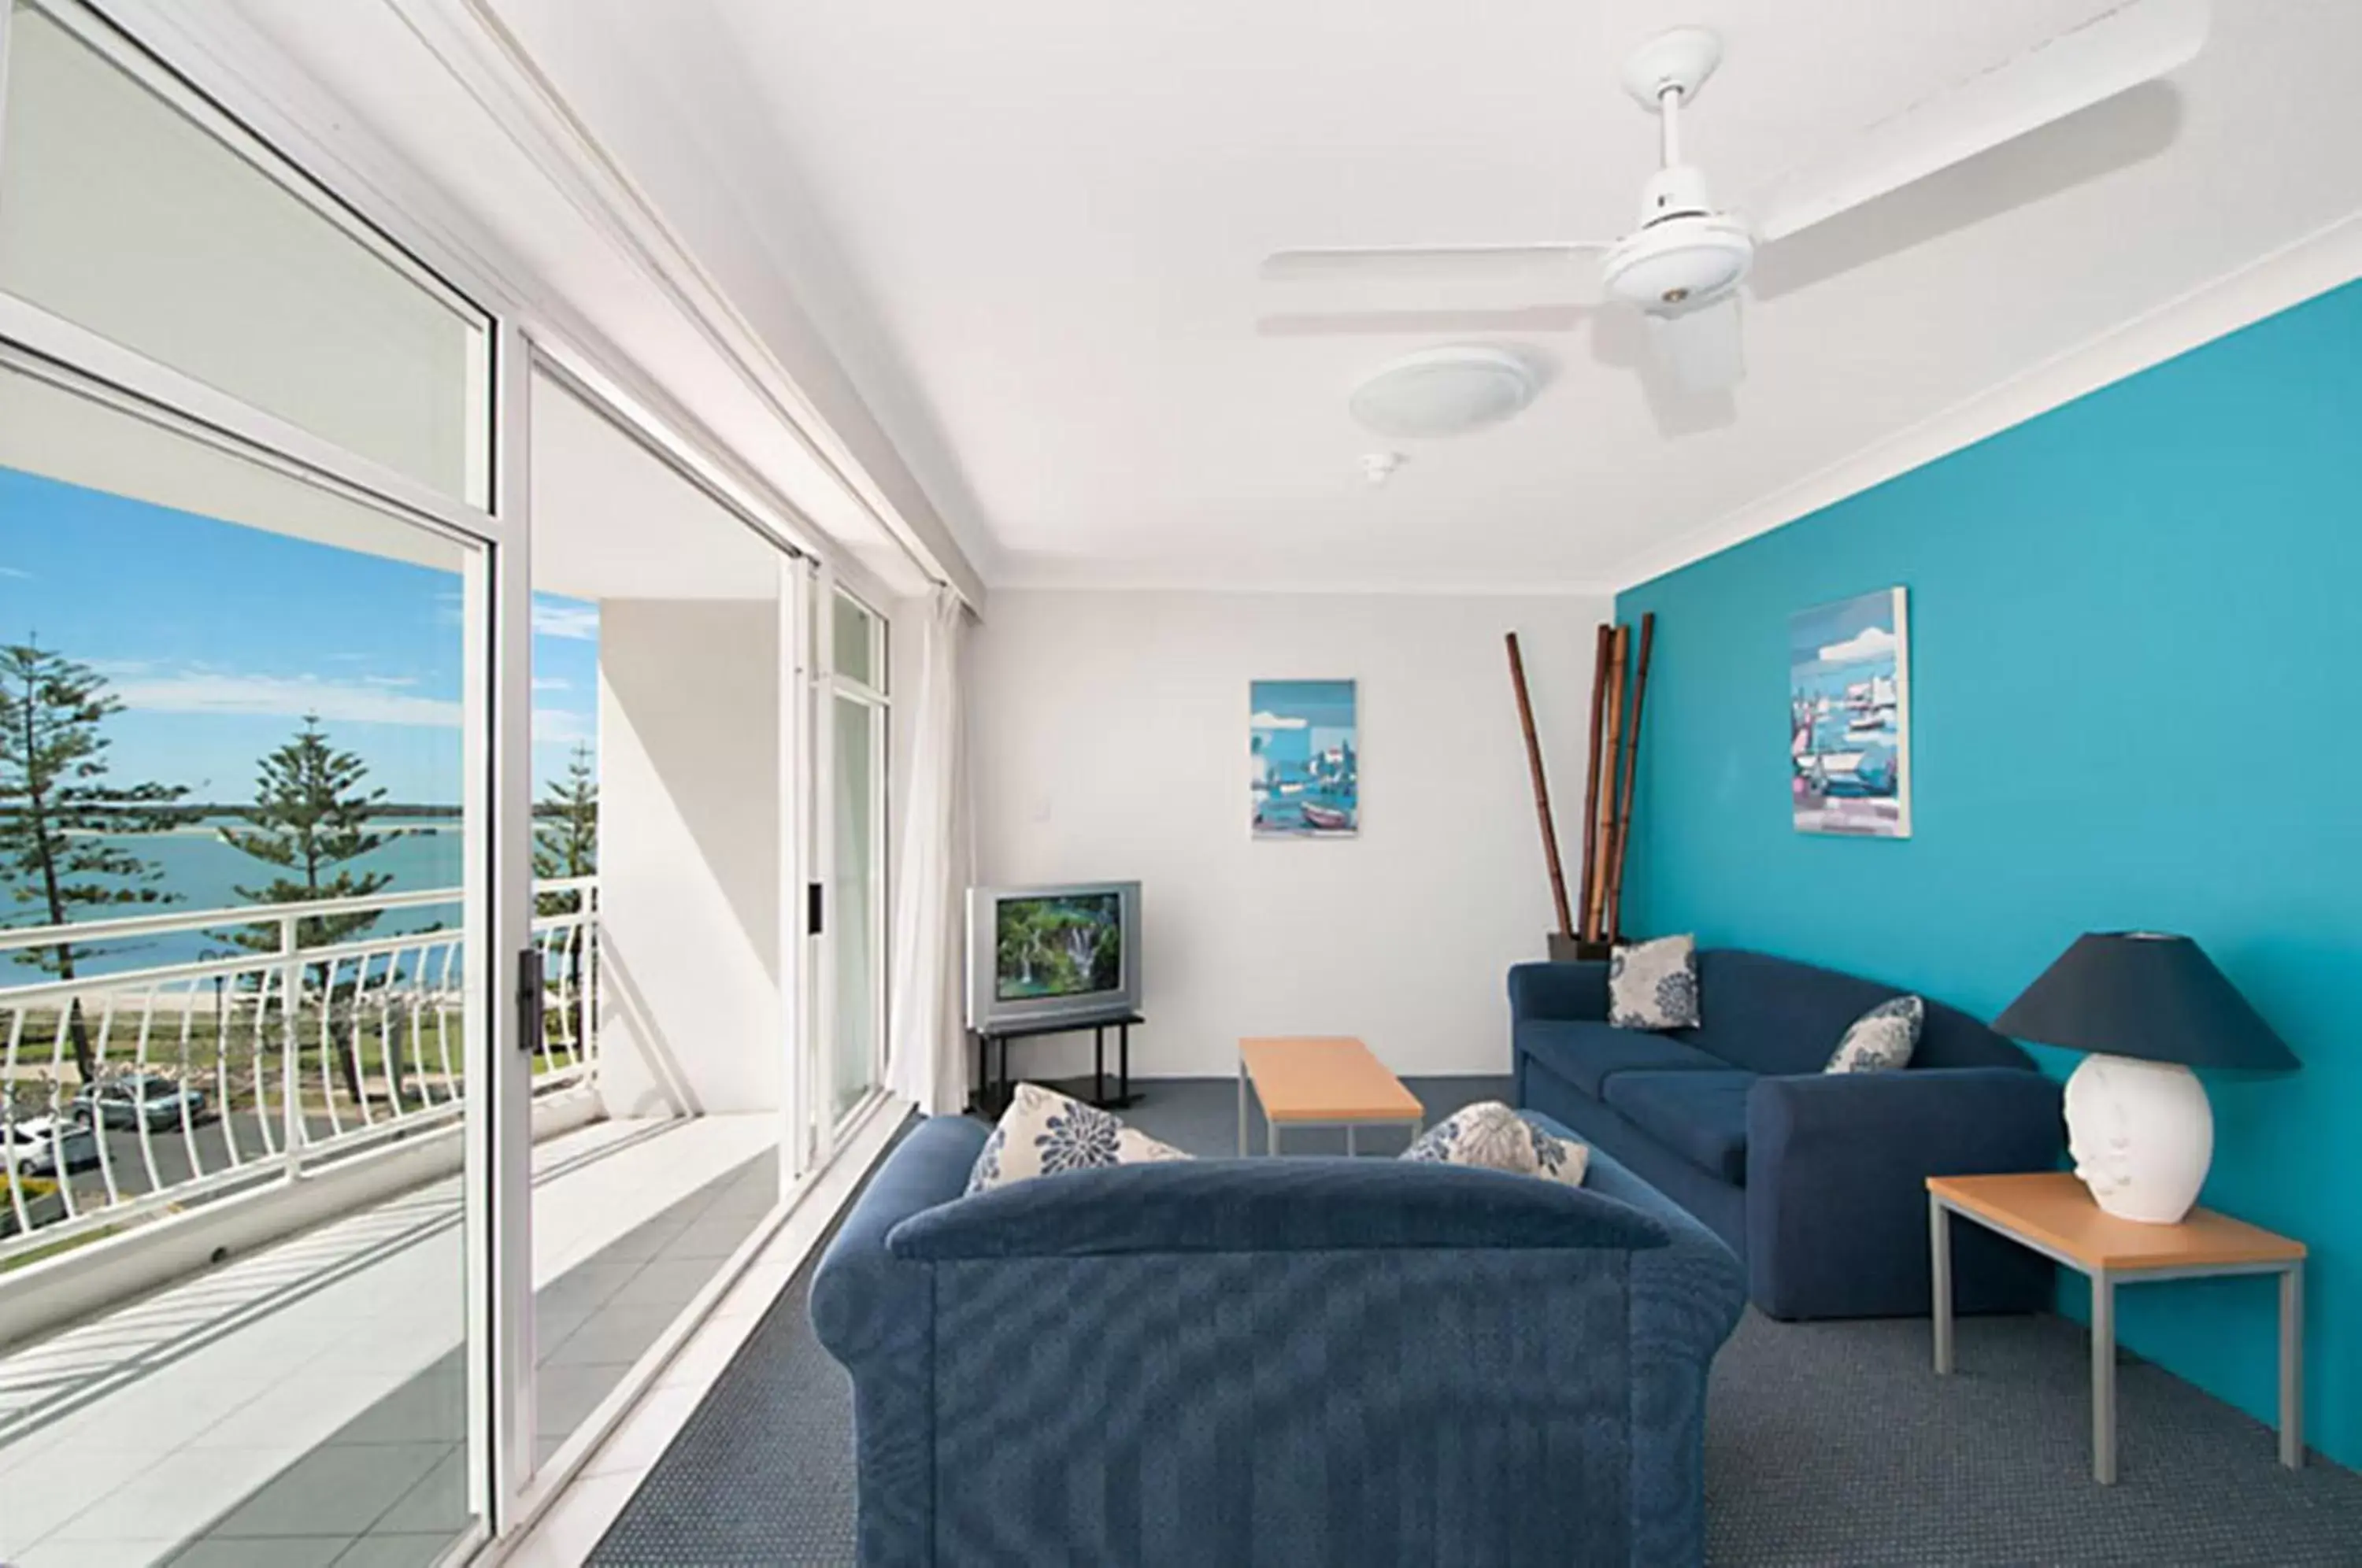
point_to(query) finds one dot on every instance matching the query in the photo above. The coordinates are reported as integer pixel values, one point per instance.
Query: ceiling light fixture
(1445, 392)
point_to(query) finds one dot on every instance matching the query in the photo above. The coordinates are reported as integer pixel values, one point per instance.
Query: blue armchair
(1250, 1363)
(1818, 1181)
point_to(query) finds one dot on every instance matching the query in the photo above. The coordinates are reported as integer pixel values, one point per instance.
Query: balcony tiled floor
(304, 1405)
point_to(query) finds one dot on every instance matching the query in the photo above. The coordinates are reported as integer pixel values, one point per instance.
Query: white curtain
(926, 1052)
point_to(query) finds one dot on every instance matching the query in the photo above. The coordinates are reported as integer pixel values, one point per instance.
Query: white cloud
(15, 571)
(561, 726)
(198, 690)
(1278, 721)
(579, 623)
(551, 683)
(389, 680)
(1871, 642)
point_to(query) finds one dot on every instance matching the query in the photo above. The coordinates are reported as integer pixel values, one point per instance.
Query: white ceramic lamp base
(2142, 1136)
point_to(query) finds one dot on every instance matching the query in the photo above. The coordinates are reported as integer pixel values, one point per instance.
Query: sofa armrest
(1271, 1205)
(860, 1288)
(1686, 1299)
(1836, 1199)
(876, 1315)
(1571, 992)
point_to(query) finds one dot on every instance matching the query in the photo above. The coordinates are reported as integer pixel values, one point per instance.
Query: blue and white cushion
(1654, 984)
(1492, 1135)
(1044, 1132)
(1880, 1040)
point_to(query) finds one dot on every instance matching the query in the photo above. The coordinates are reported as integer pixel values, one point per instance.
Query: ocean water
(202, 872)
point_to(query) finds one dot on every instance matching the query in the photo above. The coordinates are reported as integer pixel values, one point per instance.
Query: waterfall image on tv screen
(1064, 946)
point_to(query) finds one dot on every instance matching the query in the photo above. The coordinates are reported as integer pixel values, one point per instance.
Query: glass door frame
(286, 145)
(496, 723)
(824, 1126)
(35, 342)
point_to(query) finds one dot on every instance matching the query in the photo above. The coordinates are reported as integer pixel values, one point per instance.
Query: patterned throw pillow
(1044, 1132)
(1492, 1135)
(1882, 1039)
(1653, 985)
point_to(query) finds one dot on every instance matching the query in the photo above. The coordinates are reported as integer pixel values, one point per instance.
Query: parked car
(149, 1096)
(33, 1144)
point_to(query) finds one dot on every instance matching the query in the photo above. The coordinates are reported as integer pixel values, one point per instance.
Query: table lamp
(2146, 1008)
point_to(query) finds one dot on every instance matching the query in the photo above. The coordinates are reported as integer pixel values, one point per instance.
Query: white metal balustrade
(236, 1069)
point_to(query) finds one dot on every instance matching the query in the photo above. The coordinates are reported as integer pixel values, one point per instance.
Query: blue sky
(219, 638)
(1295, 718)
(1840, 639)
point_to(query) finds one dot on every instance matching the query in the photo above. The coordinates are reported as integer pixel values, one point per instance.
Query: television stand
(992, 1094)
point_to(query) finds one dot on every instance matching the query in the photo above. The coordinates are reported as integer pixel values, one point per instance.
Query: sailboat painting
(1305, 747)
(1850, 716)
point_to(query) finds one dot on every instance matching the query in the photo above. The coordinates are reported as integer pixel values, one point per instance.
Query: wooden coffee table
(2051, 1213)
(1321, 1082)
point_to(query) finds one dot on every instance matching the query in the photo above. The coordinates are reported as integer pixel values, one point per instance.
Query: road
(172, 1152)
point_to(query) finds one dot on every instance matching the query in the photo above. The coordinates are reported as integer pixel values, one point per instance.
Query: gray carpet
(1828, 1443)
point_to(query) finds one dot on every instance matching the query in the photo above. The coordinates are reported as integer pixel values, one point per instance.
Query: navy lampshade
(2141, 993)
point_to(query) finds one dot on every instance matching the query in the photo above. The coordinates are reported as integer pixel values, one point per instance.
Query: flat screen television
(1037, 954)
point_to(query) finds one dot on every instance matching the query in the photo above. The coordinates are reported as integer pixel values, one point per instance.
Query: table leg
(1242, 1108)
(1098, 1063)
(1123, 1063)
(2292, 1367)
(1348, 1140)
(1940, 1249)
(1270, 1135)
(2103, 1378)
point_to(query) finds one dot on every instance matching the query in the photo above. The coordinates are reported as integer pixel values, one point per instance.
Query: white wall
(1110, 734)
(689, 856)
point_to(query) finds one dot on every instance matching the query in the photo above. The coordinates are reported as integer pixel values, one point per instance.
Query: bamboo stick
(1541, 790)
(1604, 830)
(1631, 765)
(1591, 772)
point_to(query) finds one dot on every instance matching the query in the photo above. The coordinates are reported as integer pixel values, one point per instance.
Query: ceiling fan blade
(1477, 262)
(1421, 323)
(1701, 349)
(2132, 44)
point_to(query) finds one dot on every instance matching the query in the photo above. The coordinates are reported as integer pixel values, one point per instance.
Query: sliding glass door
(445, 835)
(659, 674)
(250, 946)
(850, 699)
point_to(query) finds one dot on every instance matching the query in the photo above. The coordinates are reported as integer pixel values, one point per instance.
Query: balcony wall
(689, 767)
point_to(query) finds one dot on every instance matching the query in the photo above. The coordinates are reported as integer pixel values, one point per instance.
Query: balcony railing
(216, 1075)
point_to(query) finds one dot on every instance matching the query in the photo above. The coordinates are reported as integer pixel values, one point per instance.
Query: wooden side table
(1321, 1083)
(2051, 1213)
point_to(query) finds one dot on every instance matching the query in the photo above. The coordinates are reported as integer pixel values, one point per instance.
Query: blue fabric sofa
(1246, 1364)
(1816, 1180)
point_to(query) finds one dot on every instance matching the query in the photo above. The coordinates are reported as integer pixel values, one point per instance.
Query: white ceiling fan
(1683, 265)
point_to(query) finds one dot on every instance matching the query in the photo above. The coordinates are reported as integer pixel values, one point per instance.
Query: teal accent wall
(2136, 702)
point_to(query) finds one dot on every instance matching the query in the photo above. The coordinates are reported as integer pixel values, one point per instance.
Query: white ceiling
(1022, 239)
(1041, 221)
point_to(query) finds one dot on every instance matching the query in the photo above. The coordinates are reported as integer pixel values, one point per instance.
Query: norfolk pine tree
(565, 844)
(310, 818)
(54, 805)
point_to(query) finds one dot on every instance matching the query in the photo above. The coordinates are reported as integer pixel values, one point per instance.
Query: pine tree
(54, 806)
(565, 844)
(566, 831)
(310, 816)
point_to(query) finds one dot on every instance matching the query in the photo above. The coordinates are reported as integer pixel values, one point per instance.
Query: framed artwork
(1305, 747)
(1850, 716)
